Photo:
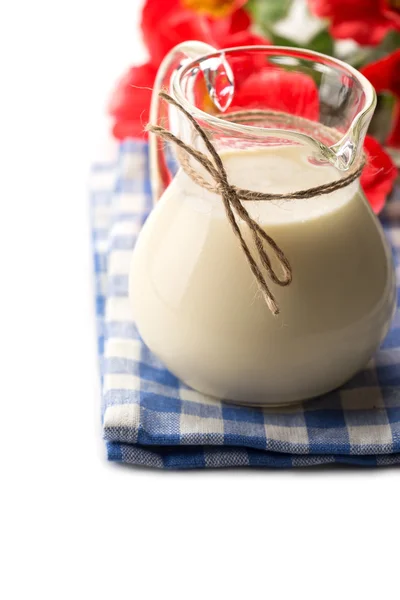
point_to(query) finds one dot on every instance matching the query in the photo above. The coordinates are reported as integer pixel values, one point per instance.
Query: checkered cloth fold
(151, 418)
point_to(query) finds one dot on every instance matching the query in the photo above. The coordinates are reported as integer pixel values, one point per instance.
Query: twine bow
(232, 198)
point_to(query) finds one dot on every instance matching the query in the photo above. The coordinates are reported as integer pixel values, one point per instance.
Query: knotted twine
(233, 196)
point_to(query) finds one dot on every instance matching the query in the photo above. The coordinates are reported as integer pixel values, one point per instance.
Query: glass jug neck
(341, 147)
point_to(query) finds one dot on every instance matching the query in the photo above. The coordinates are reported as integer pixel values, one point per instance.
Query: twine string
(233, 196)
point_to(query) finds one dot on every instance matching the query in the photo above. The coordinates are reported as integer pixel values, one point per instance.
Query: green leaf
(359, 58)
(382, 119)
(279, 40)
(322, 42)
(268, 11)
(389, 44)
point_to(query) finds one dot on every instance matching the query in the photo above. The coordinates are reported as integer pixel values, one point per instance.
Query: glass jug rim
(212, 120)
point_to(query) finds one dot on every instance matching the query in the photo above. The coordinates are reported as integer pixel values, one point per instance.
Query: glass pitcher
(195, 299)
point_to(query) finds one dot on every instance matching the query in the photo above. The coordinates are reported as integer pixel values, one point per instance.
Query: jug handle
(173, 62)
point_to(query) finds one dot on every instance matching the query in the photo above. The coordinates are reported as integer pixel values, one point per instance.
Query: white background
(73, 526)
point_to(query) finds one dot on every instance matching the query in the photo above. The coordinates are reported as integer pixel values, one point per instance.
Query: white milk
(198, 307)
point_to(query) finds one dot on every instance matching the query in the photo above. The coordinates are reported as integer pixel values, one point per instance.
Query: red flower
(384, 74)
(379, 174)
(258, 85)
(161, 32)
(164, 27)
(130, 102)
(294, 93)
(365, 21)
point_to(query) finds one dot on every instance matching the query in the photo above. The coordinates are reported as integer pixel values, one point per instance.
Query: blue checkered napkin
(151, 418)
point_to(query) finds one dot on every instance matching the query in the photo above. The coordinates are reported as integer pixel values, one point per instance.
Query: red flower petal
(392, 12)
(384, 74)
(394, 137)
(130, 102)
(240, 21)
(344, 9)
(165, 27)
(176, 24)
(246, 38)
(379, 174)
(151, 12)
(129, 129)
(247, 63)
(294, 93)
(364, 21)
(368, 32)
(133, 92)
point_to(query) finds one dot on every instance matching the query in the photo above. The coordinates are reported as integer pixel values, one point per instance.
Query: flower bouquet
(364, 33)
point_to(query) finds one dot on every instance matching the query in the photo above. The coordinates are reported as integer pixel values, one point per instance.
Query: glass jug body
(194, 299)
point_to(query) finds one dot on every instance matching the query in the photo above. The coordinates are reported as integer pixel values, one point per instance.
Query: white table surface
(74, 526)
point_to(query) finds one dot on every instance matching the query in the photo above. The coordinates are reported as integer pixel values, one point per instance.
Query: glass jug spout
(349, 149)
